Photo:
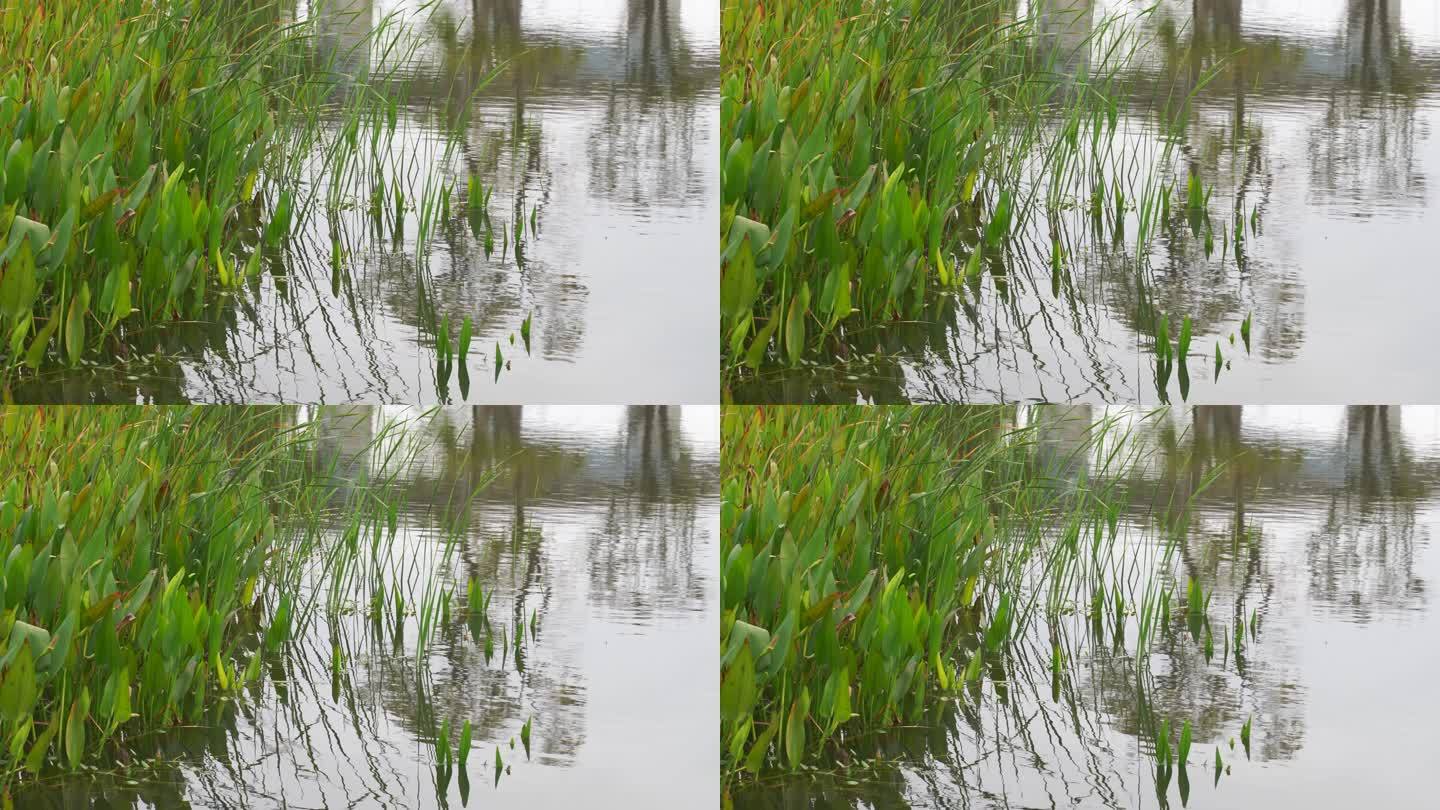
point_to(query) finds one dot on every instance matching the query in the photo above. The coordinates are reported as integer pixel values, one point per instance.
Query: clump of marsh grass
(140, 546)
(880, 557)
(129, 162)
(161, 557)
(147, 174)
(886, 561)
(873, 153)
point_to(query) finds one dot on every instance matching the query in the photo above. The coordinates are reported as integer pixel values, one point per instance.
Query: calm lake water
(1318, 528)
(1311, 121)
(599, 136)
(599, 534)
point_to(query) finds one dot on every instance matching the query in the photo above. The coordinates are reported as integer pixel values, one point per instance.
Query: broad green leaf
(18, 690)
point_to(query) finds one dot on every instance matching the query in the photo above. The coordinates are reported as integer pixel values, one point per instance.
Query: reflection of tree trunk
(651, 424)
(494, 429)
(1217, 431)
(650, 21)
(1217, 19)
(495, 432)
(1368, 27)
(502, 19)
(1215, 24)
(1369, 426)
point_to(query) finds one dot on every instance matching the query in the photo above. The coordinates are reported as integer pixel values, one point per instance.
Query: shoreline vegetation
(885, 562)
(886, 164)
(156, 159)
(164, 559)
(872, 154)
(139, 138)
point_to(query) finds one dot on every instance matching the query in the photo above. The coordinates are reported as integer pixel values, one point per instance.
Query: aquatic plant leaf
(754, 235)
(463, 752)
(842, 711)
(972, 265)
(36, 639)
(18, 691)
(19, 738)
(75, 325)
(795, 729)
(29, 233)
(18, 286)
(795, 325)
(738, 284)
(756, 353)
(279, 631)
(121, 711)
(755, 759)
(999, 226)
(75, 729)
(737, 686)
(999, 631)
(36, 758)
(58, 650)
(1056, 267)
(17, 168)
(59, 242)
